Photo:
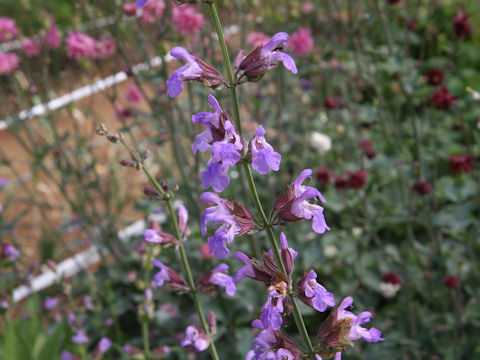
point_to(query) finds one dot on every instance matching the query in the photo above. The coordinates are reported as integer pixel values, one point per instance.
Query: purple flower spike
(104, 344)
(196, 337)
(194, 69)
(80, 338)
(219, 277)
(292, 204)
(140, 3)
(313, 294)
(264, 157)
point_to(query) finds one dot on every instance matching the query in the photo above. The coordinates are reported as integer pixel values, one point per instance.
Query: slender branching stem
(248, 173)
(183, 253)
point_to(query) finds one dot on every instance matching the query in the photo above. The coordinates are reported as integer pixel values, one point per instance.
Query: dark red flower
(461, 25)
(442, 99)
(333, 102)
(340, 183)
(394, 2)
(412, 26)
(460, 164)
(323, 175)
(391, 278)
(367, 147)
(422, 187)
(434, 77)
(357, 179)
(452, 282)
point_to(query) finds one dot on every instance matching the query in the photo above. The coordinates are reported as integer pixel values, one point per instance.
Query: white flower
(330, 251)
(320, 142)
(389, 290)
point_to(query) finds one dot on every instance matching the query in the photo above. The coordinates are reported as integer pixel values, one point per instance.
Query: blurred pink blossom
(301, 42)
(53, 37)
(8, 29)
(80, 46)
(8, 62)
(104, 48)
(29, 47)
(187, 20)
(133, 94)
(308, 7)
(152, 11)
(130, 9)
(255, 39)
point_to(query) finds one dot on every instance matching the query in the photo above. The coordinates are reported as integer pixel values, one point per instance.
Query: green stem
(271, 235)
(183, 254)
(146, 340)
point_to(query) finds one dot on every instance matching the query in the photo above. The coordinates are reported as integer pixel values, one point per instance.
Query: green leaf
(52, 347)
(15, 346)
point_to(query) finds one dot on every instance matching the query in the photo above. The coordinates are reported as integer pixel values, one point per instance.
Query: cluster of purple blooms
(227, 148)
(338, 331)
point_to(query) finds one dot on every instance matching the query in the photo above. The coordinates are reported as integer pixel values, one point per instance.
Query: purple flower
(264, 157)
(67, 355)
(262, 59)
(272, 309)
(174, 280)
(9, 252)
(104, 344)
(246, 270)
(140, 3)
(236, 220)
(194, 69)
(271, 345)
(313, 294)
(356, 331)
(161, 276)
(196, 337)
(342, 327)
(215, 175)
(224, 142)
(271, 53)
(3, 182)
(50, 302)
(292, 204)
(87, 302)
(80, 338)
(183, 220)
(158, 237)
(219, 277)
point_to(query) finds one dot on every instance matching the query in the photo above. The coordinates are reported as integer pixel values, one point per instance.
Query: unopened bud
(130, 163)
(212, 322)
(150, 192)
(115, 139)
(101, 130)
(164, 186)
